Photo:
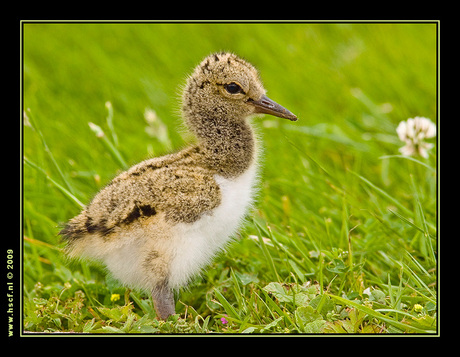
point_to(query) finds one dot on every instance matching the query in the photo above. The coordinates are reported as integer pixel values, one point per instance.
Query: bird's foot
(164, 303)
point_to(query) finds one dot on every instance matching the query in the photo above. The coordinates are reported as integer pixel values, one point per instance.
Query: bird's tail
(75, 228)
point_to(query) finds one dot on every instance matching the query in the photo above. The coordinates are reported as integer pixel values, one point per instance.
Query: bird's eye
(233, 88)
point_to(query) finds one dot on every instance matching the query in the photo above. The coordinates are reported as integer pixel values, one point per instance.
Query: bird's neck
(228, 145)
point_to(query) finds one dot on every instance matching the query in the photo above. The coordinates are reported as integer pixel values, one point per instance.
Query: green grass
(343, 237)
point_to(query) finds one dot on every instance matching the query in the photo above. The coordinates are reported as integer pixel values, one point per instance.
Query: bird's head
(226, 86)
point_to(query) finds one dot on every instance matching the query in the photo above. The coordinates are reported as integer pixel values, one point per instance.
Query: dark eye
(233, 88)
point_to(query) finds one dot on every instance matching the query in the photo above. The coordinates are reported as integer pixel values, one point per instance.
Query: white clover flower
(413, 132)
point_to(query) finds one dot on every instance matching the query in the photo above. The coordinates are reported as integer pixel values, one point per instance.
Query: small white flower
(150, 116)
(413, 132)
(156, 128)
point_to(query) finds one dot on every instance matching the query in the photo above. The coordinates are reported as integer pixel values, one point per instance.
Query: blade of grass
(404, 219)
(266, 253)
(66, 192)
(425, 230)
(96, 129)
(229, 309)
(273, 306)
(310, 158)
(33, 124)
(238, 293)
(109, 119)
(145, 305)
(419, 281)
(408, 158)
(383, 193)
(41, 243)
(372, 107)
(377, 315)
(413, 276)
(421, 294)
(419, 266)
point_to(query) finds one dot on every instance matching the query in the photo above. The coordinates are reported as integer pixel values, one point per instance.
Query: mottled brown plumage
(158, 223)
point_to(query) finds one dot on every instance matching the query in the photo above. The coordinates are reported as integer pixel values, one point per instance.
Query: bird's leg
(163, 300)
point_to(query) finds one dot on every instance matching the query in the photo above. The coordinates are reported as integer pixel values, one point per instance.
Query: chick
(159, 223)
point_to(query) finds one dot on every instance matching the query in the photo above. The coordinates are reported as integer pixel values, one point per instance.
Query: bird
(158, 224)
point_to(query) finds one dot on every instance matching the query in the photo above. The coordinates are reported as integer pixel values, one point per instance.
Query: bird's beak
(267, 106)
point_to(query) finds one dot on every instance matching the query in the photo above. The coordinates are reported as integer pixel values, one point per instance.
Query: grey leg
(164, 302)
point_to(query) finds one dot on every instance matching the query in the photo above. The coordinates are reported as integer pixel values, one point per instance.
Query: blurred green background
(71, 70)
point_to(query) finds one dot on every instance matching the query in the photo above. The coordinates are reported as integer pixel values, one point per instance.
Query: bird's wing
(181, 193)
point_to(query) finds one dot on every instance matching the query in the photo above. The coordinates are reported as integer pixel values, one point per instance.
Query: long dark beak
(267, 106)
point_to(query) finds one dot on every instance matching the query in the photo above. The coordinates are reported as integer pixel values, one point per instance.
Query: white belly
(196, 243)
